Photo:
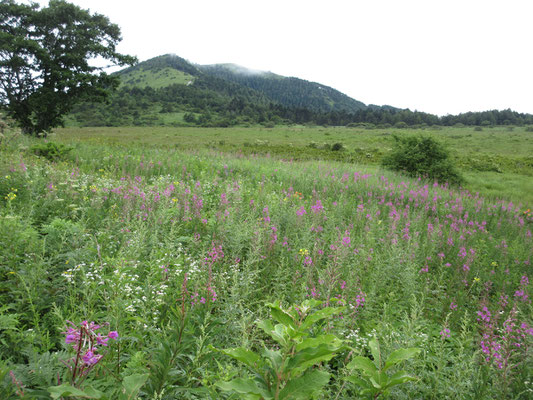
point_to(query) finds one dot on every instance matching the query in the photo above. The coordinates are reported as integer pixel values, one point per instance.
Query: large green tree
(48, 61)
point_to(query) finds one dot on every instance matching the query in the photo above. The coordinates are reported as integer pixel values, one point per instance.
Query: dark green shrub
(422, 156)
(337, 146)
(400, 125)
(51, 151)
(478, 128)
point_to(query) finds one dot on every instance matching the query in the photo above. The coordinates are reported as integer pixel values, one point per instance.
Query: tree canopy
(47, 58)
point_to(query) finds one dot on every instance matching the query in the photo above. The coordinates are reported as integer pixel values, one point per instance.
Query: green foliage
(45, 65)
(337, 146)
(51, 151)
(286, 373)
(375, 381)
(422, 156)
(131, 234)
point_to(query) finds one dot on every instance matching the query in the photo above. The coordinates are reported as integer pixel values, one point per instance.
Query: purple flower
(113, 335)
(301, 211)
(101, 341)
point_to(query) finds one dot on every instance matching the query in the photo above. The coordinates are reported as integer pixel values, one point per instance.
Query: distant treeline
(211, 101)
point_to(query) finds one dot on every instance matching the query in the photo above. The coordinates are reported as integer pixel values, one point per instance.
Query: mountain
(169, 90)
(290, 92)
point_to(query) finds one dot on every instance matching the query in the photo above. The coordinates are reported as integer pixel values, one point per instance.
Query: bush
(422, 156)
(337, 147)
(51, 151)
(400, 125)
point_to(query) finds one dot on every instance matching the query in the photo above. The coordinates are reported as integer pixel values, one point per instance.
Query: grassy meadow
(497, 161)
(255, 263)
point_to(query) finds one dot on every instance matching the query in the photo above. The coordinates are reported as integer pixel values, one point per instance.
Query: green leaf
(319, 315)
(282, 316)
(398, 378)
(330, 340)
(274, 356)
(376, 353)
(66, 390)
(311, 356)
(363, 363)
(131, 386)
(243, 355)
(275, 333)
(304, 387)
(399, 356)
(245, 386)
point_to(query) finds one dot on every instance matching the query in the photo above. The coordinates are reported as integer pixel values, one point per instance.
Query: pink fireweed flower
(301, 211)
(346, 240)
(484, 315)
(445, 333)
(318, 207)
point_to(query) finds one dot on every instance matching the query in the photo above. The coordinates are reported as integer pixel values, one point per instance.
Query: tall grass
(180, 250)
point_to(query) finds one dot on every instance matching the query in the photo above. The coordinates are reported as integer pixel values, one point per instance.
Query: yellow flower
(10, 196)
(476, 279)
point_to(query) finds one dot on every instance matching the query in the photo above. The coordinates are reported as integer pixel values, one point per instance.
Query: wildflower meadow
(150, 272)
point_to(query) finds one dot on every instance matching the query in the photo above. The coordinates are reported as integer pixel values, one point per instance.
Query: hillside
(170, 91)
(290, 92)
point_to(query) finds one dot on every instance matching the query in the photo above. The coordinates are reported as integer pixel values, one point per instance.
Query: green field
(497, 162)
(254, 263)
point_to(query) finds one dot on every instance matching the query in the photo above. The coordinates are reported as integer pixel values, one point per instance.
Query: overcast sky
(437, 56)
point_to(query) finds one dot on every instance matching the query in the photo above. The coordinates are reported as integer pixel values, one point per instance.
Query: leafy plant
(286, 373)
(375, 380)
(422, 156)
(51, 151)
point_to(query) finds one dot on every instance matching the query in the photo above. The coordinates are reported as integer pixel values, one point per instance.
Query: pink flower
(113, 335)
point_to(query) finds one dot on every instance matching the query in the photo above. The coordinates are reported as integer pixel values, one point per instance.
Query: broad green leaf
(399, 356)
(376, 353)
(304, 387)
(319, 315)
(311, 356)
(309, 304)
(66, 390)
(364, 364)
(243, 355)
(375, 383)
(282, 316)
(245, 386)
(273, 332)
(330, 340)
(131, 386)
(398, 378)
(274, 356)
